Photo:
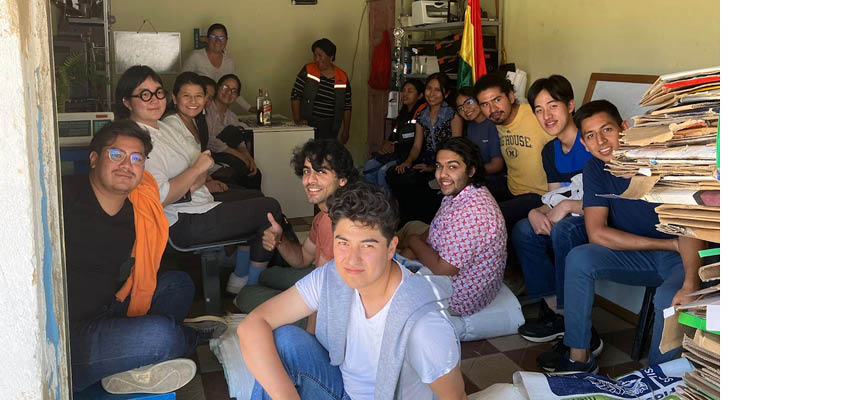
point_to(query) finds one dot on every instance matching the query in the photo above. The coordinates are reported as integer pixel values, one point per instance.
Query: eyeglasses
(118, 155)
(146, 95)
(227, 89)
(214, 37)
(467, 102)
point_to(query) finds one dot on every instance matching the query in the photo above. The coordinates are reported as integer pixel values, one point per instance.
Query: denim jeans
(308, 365)
(541, 277)
(591, 262)
(112, 342)
(379, 173)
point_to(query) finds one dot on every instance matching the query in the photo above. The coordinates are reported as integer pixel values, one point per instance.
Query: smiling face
(434, 93)
(467, 107)
(321, 184)
(228, 91)
(146, 112)
(189, 100)
(217, 41)
(409, 95)
(553, 115)
(600, 135)
(363, 256)
(122, 177)
(322, 59)
(496, 105)
(452, 173)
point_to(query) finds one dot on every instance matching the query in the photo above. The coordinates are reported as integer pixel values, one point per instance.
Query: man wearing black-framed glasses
(127, 322)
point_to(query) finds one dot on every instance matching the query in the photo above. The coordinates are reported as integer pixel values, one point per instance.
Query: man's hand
(215, 186)
(272, 234)
(682, 297)
(539, 223)
(343, 137)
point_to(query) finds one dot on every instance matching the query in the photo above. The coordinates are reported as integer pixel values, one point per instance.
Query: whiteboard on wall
(623, 90)
(158, 50)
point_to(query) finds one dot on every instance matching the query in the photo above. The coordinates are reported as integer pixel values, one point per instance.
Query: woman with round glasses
(483, 133)
(227, 142)
(180, 169)
(213, 61)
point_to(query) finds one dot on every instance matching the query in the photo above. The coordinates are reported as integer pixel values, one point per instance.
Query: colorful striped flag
(471, 51)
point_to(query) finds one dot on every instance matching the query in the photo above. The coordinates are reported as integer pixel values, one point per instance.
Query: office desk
(273, 146)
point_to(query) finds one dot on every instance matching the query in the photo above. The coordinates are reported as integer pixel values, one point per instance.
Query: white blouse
(175, 150)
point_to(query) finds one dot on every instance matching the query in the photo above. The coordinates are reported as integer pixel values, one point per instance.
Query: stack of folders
(700, 338)
(670, 153)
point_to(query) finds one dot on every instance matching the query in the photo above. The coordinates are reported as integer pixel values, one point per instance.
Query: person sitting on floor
(557, 226)
(409, 179)
(397, 146)
(324, 166)
(227, 141)
(180, 170)
(624, 246)
(467, 238)
(371, 312)
(127, 323)
(483, 133)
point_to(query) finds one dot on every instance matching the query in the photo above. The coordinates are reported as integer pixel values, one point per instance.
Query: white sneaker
(207, 326)
(236, 283)
(164, 377)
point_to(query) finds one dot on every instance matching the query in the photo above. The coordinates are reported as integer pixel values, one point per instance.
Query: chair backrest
(207, 246)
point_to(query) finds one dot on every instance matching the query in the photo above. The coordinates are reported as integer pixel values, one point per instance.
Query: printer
(430, 12)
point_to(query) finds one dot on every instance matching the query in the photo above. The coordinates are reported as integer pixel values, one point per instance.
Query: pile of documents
(670, 153)
(696, 328)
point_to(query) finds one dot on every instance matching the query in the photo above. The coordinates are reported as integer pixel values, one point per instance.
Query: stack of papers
(703, 351)
(670, 153)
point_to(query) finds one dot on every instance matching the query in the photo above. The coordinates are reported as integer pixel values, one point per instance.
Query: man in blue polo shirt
(624, 246)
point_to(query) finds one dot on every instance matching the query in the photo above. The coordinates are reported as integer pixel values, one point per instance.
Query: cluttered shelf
(447, 26)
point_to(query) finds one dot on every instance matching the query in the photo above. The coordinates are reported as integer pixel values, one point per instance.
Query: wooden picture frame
(624, 90)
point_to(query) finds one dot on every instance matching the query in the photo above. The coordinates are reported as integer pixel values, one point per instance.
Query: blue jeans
(541, 277)
(112, 342)
(308, 365)
(590, 262)
(379, 175)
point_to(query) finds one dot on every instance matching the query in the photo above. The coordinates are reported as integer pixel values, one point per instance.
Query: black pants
(236, 194)
(515, 209)
(240, 171)
(324, 129)
(416, 200)
(498, 187)
(229, 220)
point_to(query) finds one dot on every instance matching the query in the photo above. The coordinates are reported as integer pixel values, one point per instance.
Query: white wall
(34, 357)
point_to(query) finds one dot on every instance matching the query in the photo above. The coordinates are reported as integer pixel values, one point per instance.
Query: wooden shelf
(446, 26)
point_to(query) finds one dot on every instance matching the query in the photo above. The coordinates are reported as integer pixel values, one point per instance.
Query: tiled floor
(483, 362)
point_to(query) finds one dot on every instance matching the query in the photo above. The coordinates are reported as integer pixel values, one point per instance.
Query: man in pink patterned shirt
(467, 238)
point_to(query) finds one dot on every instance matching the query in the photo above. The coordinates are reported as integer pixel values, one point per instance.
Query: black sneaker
(570, 366)
(549, 360)
(548, 327)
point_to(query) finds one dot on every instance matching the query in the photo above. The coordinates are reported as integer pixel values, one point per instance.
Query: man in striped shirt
(321, 95)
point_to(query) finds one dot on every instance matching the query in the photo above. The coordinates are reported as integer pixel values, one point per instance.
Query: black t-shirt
(97, 248)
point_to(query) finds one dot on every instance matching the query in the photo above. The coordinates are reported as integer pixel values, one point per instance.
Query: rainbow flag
(471, 48)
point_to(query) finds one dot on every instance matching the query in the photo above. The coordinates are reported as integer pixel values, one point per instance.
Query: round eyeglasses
(467, 102)
(118, 155)
(146, 95)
